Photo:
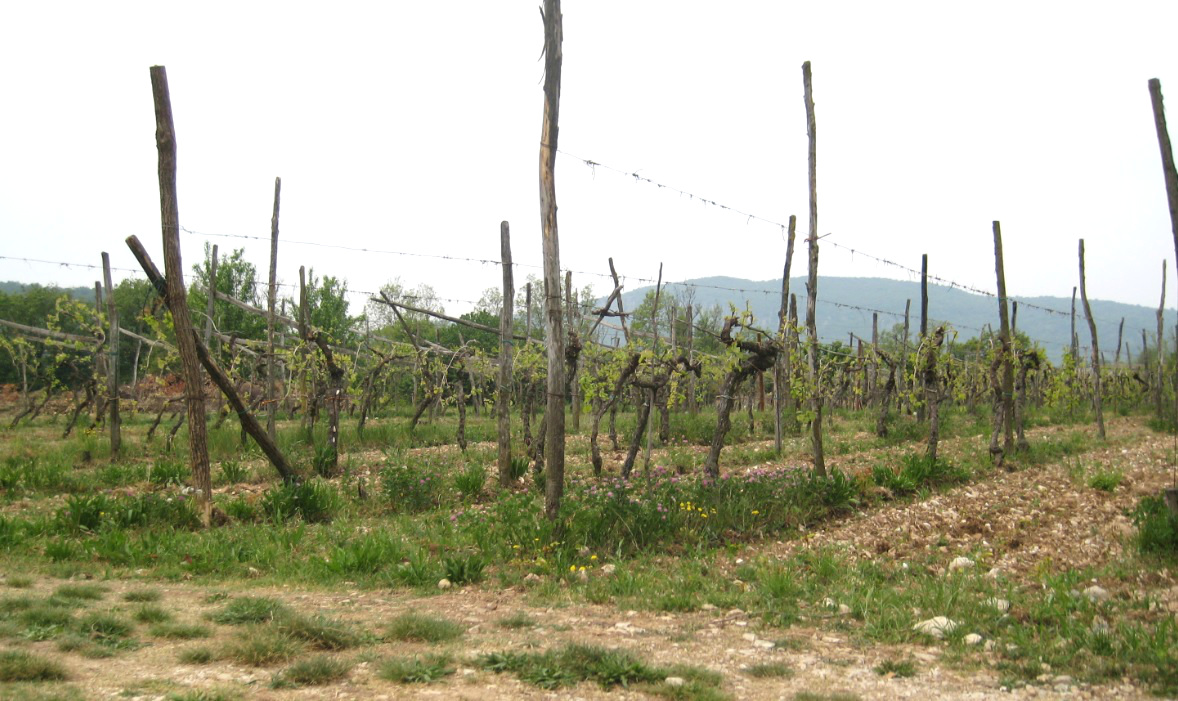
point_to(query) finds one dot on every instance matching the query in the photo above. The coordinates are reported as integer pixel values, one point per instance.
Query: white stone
(764, 644)
(444, 583)
(973, 639)
(675, 681)
(749, 637)
(937, 626)
(844, 610)
(1096, 593)
(608, 570)
(1001, 605)
(960, 563)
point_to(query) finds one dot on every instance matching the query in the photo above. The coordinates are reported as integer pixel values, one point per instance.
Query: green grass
(517, 620)
(415, 627)
(768, 670)
(1106, 480)
(81, 592)
(571, 664)
(196, 655)
(18, 582)
(321, 633)
(151, 614)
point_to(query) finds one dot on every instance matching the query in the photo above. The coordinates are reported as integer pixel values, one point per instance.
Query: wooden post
(1075, 338)
(1120, 342)
(112, 364)
(210, 308)
(1097, 399)
(904, 388)
(812, 284)
(272, 302)
(554, 441)
(1160, 361)
(1007, 348)
(503, 398)
(782, 397)
(692, 405)
(650, 393)
(528, 310)
(1168, 169)
(921, 408)
(570, 319)
(165, 138)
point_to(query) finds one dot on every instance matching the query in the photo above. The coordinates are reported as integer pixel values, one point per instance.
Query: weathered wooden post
(554, 446)
(1097, 399)
(1007, 348)
(165, 138)
(782, 394)
(210, 307)
(272, 302)
(1160, 361)
(503, 398)
(812, 283)
(112, 365)
(920, 409)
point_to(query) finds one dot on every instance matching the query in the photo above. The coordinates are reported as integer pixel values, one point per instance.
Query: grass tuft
(250, 609)
(416, 670)
(20, 666)
(417, 627)
(313, 671)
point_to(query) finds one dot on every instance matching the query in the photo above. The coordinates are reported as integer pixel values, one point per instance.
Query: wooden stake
(1097, 402)
(812, 284)
(554, 441)
(112, 365)
(1160, 361)
(1168, 170)
(782, 396)
(271, 303)
(503, 400)
(165, 137)
(1007, 348)
(210, 308)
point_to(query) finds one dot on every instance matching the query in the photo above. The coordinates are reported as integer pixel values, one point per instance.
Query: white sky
(414, 127)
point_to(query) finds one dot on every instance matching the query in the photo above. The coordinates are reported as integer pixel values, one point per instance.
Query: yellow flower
(592, 557)
(703, 515)
(572, 568)
(582, 568)
(755, 512)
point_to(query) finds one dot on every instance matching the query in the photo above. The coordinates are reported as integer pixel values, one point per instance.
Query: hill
(845, 306)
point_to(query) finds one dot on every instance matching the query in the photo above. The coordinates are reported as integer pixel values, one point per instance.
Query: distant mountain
(14, 287)
(845, 304)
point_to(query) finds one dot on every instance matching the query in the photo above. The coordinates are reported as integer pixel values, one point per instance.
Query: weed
(416, 670)
(313, 671)
(314, 501)
(517, 620)
(421, 628)
(203, 695)
(151, 614)
(169, 473)
(471, 480)
(142, 596)
(1157, 527)
(179, 631)
(1106, 480)
(464, 569)
(196, 655)
(767, 670)
(18, 581)
(409, 489)
(250, 609)
(262, 645)
(234, 472)
(20, 666)
(320, 632)
(81, 592)
(896, 668)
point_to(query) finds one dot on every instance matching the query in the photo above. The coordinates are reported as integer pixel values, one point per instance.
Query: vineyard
(217, 486)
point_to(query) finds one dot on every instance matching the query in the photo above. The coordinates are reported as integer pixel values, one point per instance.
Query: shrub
(409, 489)
(471, 480)
(169, 473)
(1157, 527)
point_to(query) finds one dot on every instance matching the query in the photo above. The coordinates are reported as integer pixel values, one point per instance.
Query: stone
(444, 583)
(608, 570)
(1096, 593)
(675, 681)
(844, 610)
(582, 576)
(1001, 605)
(532, 578)
(960, 563)
(708, 607)
(937, 626)
(764, 644)
(973, 639)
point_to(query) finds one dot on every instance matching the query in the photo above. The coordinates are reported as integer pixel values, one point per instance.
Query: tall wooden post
(1160, 361)
(650, 393)
(210, 308)
(1168, 170)
(570, 319)
(782, 395)
(812, 283)
(554, 441)
(692, 405)
(920, 410)
(1075, 338)
(165, 138)
(503, 399)
(904, 401)
(112, 365)
(1007, 348)
(272, 302)
(1097, 400)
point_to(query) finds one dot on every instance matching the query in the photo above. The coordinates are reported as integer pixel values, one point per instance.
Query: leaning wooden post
(554, 328)
(271, 303)
(165, 138)
(112, 364)
(503, 401)
(812, 283)
(1097, 400)
(1168, 169)
(1007, 348)
(782, 396)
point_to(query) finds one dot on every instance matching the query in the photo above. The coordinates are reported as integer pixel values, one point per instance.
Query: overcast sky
(414, 127)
